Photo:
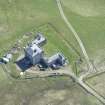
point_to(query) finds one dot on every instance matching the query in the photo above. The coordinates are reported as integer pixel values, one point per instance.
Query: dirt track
(80, 80)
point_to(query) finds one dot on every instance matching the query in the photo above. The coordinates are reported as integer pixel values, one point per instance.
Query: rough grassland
(98, 83)
(88, 24)
(86, 8)
(20, 16)
(54, 91)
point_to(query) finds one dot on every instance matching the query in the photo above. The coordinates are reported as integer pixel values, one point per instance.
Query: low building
(33, 53)
(40, 40)
(7, 58)
(56, 61)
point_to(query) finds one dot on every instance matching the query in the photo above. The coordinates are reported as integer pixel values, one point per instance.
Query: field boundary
(65, 40)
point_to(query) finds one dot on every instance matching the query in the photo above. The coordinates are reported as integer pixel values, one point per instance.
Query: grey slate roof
(55, 57)
(33, 50)
(39, 39)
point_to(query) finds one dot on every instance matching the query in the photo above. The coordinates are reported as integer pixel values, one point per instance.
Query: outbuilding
(40, 40)
(56, 61)
(7, 58)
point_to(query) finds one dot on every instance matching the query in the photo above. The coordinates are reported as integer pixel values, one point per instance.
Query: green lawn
(55, 43)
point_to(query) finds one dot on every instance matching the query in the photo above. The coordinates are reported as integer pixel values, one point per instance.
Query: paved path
(75, 34)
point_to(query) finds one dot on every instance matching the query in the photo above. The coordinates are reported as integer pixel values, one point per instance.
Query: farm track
(67, 71)
(76, 36)
(91, 68)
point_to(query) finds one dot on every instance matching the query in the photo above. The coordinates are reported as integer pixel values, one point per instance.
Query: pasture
(18, 17)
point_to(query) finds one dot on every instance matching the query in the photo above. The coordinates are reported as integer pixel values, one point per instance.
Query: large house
(33, 53)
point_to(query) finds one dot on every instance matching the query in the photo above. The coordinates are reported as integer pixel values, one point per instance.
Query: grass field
(55, 91)
(18, 17)
(88, 19)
